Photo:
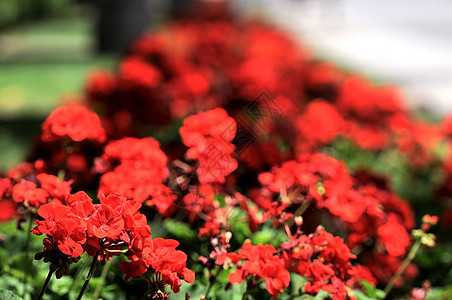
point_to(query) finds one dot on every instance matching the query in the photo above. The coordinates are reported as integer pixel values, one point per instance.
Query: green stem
(245, 295)
(411, 255)
(103, 276)
(27, 255)
(299, 212)
(88, 278)
(249, 285)
(212, 282)
(46, 283)
(78, 274)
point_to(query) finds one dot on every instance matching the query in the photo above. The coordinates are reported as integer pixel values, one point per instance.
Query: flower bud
(299, 220)
(228, 236)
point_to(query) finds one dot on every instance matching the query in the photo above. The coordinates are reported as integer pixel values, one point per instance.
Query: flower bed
(221, 160)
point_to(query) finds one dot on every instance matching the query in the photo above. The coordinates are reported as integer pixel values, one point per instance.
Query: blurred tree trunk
(119, 23)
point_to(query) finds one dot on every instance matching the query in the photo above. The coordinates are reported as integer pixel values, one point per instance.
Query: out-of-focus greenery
(34, 88)
(40, 64)
(58, 39)
(14, 11)
(28, 92)
(15, 262)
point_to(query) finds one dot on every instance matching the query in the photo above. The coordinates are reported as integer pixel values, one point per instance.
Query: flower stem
(78, 275)
(299, 212)
(27, 255)
(103, 275)
(46, 283)
(88, 278)
(411, 255)
(212, 281)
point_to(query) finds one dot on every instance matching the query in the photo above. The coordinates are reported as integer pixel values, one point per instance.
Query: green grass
(34, 88)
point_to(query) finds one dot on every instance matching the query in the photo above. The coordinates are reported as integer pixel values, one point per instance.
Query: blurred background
(47, 47)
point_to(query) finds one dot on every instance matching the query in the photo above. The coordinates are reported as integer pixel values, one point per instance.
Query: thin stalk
(88, 278)
(245, 295)
(212, 282)
(249, 286)
(46, 283)
(411, 255)
(79, 272)
(103, 276)
(299, 212)
(27, 255)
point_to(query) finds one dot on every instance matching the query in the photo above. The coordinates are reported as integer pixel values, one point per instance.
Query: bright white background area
(406, 42)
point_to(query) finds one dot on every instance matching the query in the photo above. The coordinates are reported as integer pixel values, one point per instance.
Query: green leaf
(321, 296)
(221, 200)
(361, 296)
(444, 292)
(179, 230)
(222, 276)
(239, 226)
(296, 282)
(371, 291)
(268, 235)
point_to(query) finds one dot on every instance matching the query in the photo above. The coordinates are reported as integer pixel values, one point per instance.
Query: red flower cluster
(325, 260)
(26, 191)
(80, 225)
(370, 214)
(326, 120)
(110, 228)
(164, 259)
(75, 122)
(8, 208)
(387, 223)
(29, 194)
(317, 178)
(261, 262)
(138, 170)
(209, 136)
(242, 157)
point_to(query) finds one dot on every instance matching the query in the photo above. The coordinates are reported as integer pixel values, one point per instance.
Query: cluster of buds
(218, 256)
(59, 261)
(427, 239)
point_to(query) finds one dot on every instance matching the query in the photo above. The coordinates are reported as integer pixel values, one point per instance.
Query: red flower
(261, 261)
(324, 259)
(168, 261)
(134, 268)
(104, 222)
(145, 152)
(52, 213)
(100, 84)
(27, 192)
(5, 187)
(209, 135)
(8, 209)
(134, 71)
(69, 236)
(75, 122)
(323, 179)
(57, 189)
(212, 123)
(63, 226)
(320, 124)
(140, 173)
(394, 236)
(164, 259)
